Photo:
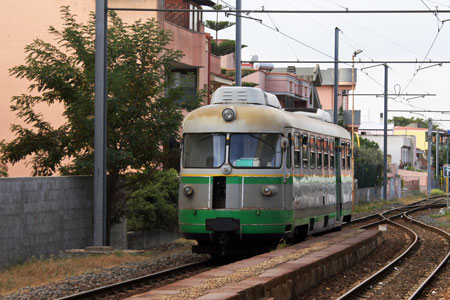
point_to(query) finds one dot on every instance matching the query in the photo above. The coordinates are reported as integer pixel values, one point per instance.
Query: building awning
(289, 95)
(221, 79)
(204, 2)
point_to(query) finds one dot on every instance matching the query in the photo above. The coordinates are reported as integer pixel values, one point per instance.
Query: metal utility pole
(446, 178)
(430, 140)
(101, 29)
(336, 74)
(385, 131)
(238, 42)
(438, 173)
(353, 128)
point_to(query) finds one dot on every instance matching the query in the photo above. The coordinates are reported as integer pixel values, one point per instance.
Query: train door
(337, 168)
(288, 175)
(297, 165)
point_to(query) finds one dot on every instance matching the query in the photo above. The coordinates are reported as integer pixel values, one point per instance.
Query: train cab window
(325, 154)
(305, 151)
(297, 157)
(289, 153)
(349, 156)
(332, 151)
(203, 150)
(255, 150)
(312, 152)
(319, 153)
(343, 154)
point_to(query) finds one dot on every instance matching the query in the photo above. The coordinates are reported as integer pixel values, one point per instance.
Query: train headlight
(228, 114)
(188, 190)
(269, 190)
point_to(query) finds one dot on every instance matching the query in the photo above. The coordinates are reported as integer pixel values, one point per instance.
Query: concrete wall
(368, 194)
(43, 215)
(147, 239)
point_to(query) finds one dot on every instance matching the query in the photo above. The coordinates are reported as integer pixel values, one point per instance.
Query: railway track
(376, 218)
(144, 283)
(406, 276)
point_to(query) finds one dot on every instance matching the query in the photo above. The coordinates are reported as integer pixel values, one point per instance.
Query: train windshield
(204, 150)
(255, 150)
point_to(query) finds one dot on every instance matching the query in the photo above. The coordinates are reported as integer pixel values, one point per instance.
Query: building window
(195, 17)
(187, 81)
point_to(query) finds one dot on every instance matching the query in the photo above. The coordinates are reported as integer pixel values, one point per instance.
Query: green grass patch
(380, 204)
(374, 205)
(437, 192)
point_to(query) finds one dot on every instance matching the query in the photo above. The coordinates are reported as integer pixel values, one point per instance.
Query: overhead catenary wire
(281, 11)
(276, 28)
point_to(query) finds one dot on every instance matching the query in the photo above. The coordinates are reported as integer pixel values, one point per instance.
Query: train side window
(343, 149)
(297, 159)
(312, 152)
(319, 152)
(332, 151)
(305, 151)
(349, 156)
(325, 154)
(289, 153)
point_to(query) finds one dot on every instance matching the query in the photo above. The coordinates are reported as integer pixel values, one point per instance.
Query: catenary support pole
(385, 132)
(100, 123)
(438, 173)
(336, 75)
(238, 42)
(446, 161)
(430, 140)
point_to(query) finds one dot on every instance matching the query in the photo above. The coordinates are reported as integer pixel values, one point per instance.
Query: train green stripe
(252, 221)
(195, 180)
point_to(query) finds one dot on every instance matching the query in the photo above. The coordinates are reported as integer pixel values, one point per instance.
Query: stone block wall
(43, 215)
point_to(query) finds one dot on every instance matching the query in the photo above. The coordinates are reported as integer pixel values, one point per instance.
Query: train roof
(256, 118)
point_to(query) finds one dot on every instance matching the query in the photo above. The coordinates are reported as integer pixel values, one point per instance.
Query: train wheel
(300, 233)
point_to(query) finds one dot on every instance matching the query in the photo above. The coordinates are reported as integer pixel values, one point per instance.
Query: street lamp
(353, 126)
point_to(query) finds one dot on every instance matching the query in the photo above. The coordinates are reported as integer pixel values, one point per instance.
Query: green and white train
(252, 173)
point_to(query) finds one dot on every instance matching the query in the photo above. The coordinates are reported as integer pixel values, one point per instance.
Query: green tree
(218, 25)
(224, 47)
(3, 167)
(154, 205)
(368, 163)
(402, 121)
(144, 111)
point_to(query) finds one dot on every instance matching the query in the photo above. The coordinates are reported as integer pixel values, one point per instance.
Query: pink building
(24, 20)
(305, 87)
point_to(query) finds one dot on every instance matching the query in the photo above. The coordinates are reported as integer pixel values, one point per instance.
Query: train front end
(233, 181)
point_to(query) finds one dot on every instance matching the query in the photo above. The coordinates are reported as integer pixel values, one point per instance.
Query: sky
(383, 37)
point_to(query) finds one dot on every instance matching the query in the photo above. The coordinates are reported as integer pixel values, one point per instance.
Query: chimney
(291, 69)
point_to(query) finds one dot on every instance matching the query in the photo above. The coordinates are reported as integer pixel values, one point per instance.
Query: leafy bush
(154, 205)
(437, 192)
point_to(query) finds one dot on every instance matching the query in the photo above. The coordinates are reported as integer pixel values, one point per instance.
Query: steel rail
(428, 280)
(358, 289)
(364, 284)
(406, 206)
(108, 289)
